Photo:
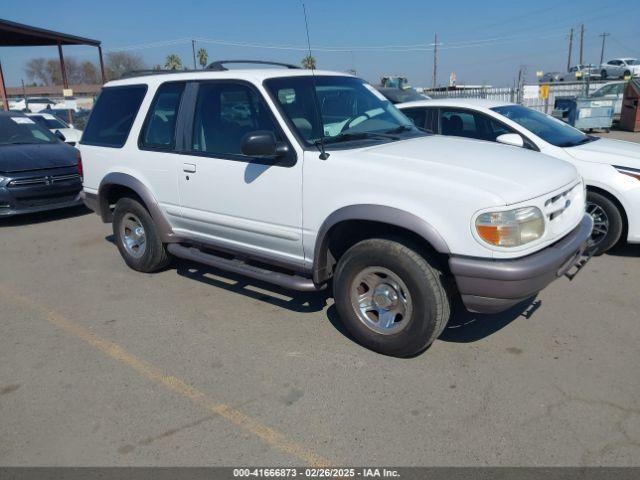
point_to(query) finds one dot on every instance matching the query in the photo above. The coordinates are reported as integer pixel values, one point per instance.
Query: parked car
(78, 118)
(33, 104)
(55, 124)
(620, 68)
(400, 222)
(37, 170)
(612, 91)
(610, 168)
(580, 72)
(551, 77)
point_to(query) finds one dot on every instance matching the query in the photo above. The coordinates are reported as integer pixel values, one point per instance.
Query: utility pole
(581, 41)
(435, 60)
(193, 47)
(604, 36)
(570, 48)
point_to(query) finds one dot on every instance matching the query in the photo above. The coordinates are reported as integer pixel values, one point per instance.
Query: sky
(483, 42)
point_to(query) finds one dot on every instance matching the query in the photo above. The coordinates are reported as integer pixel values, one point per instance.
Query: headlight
(632, 172)
(511, 228)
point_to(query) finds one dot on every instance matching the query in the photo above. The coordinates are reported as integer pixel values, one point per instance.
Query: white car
(325, 182)
(620, 68)
(47, 120)
(37, 104)
(610, 168)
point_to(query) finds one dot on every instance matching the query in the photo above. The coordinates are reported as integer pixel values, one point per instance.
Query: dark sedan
(38, 171)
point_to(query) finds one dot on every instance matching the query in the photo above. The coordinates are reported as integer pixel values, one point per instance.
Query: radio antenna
(320, 143)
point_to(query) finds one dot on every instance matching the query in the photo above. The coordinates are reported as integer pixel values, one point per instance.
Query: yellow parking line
(270, 436)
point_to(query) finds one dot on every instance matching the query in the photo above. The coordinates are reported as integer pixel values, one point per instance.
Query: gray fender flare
(376, 213)
(132, 183)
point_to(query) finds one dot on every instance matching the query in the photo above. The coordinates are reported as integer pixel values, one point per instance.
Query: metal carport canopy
(14, 34)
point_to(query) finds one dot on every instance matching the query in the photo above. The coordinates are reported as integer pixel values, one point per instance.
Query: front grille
(40, 201)
(555, 206)
(44, 180)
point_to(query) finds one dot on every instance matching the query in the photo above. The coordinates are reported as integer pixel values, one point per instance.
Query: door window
(224, 114)
(417, 115)
(160, 126)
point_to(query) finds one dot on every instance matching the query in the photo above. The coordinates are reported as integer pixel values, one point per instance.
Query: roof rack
(219, 66)
(142, 73)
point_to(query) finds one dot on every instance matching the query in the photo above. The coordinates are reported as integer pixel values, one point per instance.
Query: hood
(609, 152)
(511, 173)
(21, 158)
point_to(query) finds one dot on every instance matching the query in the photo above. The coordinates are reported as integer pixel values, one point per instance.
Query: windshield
(351, 110)
(23, 130)
(633, 62)
(50, 123)
(550, 129)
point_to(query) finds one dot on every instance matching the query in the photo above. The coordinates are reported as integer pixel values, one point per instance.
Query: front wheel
(603, 74)
(607, 222)
(137, 237)
(391, 298)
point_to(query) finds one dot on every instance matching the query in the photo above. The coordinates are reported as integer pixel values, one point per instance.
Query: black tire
(603, 74)
(155, 256)
(627, 73)
(426, 286)
(602, 243)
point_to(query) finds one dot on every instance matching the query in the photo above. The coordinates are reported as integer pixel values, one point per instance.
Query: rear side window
(160, 125)
(113, 115)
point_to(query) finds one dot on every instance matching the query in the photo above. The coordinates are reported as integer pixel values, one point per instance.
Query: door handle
(189, 168)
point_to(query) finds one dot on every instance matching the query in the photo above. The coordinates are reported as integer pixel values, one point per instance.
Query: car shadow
(625, 250)
(43, 217)
(463, 327)
(304, 302)
(468, 327)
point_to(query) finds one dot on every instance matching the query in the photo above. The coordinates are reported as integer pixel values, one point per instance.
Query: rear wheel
(137, 237)
(391, 298)
(607, 222)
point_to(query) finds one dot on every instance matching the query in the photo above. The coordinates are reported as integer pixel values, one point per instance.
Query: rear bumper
(90, 200)
(492, 286)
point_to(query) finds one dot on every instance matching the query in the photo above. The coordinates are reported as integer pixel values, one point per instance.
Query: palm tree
(203, 57)
(173, 62)
(309, 62)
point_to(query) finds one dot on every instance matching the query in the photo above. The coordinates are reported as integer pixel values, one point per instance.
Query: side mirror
(59, 134)
(511, 139)
(262, 143)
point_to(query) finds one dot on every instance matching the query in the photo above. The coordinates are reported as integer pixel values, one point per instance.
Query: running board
(292, 282)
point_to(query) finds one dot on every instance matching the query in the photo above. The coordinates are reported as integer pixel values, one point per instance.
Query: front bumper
(10, 208)
(492, 286)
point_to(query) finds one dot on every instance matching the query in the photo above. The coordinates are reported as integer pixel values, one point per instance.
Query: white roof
(253, 75)
(48, 116)
(476, 103)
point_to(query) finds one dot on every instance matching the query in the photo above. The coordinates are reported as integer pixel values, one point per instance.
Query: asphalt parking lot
(100, 365)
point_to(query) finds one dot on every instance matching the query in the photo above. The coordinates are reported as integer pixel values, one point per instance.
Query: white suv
(305, 180)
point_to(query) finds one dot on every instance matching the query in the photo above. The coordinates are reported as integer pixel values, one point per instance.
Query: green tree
(203, 57)
(173, 62)
(309, 62)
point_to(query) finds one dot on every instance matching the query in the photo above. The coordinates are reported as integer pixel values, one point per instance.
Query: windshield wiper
(400, 129)
(347, 136)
